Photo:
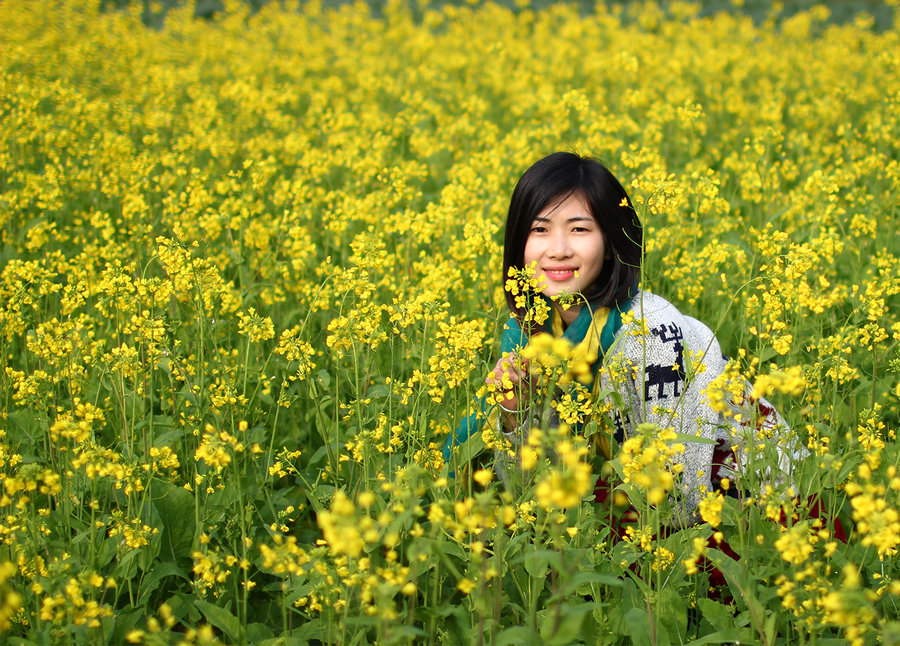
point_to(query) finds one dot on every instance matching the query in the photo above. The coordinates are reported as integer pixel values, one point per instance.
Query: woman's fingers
(518, 370)
(509, 371)
(510, 375)
(506, 366)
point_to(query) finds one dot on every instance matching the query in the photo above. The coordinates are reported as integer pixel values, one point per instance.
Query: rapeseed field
(250, 279)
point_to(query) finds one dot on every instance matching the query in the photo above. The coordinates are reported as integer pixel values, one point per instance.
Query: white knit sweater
(671, 359)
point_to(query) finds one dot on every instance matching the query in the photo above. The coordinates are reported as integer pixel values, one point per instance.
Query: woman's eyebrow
(543, 219)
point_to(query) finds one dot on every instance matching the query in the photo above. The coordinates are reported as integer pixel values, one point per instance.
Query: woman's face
(568, 246)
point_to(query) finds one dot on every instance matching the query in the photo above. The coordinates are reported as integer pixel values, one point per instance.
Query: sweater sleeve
(506, 460)
(513, 338)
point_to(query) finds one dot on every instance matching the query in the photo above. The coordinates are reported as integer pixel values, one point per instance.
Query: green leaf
(126, 567)
(107, 551)
(731, 636)
(310, 630)
(38, 639)
(742, 592)
(257, 632)
(159, 572)
(405, 635)
(221, 619)
(282, 641)
(591, 427)
(360, 620)
(183, 608)
(539, 561)
(468, 450)
(766, 354)
(445, 559)
(769, 631)
(595, 578)
(694, 439)
(323, 377)
(175, 506)
(672, 612)
(318, 457)
(515, 636)
(125, 621)
(148, 555)
(567, 627)
(164, 431)
(719, 616)
(638, 623)
(26, 425)
(319, 497)
(378, 391)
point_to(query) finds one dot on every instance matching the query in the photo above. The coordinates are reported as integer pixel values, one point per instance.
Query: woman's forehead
(572, 199)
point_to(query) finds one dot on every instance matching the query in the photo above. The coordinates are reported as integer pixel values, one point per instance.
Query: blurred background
(154, 11)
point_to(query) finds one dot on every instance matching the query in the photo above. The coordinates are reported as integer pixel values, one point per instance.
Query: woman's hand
(516, 371)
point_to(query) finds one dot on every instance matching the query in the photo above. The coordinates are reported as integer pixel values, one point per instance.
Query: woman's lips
(560, 274)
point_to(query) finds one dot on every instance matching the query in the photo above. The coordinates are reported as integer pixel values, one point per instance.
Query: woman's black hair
(553, 179)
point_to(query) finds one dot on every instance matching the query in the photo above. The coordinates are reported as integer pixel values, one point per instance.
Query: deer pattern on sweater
(662, 375)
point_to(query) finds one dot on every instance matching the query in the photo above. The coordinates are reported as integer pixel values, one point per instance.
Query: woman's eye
(538, 229)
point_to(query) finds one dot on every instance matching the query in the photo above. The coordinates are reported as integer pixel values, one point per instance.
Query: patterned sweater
(670, 359)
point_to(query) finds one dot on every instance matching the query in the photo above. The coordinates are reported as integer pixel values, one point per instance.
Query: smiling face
(568, 246)
(604, 242)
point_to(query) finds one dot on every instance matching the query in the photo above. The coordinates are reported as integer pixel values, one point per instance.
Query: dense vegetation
(250, 279)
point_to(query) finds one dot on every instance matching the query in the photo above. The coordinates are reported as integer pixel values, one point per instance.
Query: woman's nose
(560, 247)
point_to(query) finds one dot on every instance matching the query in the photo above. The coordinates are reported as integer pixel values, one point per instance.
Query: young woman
(571, 221)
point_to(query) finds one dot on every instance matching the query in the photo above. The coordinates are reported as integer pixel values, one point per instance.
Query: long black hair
(553, 179)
